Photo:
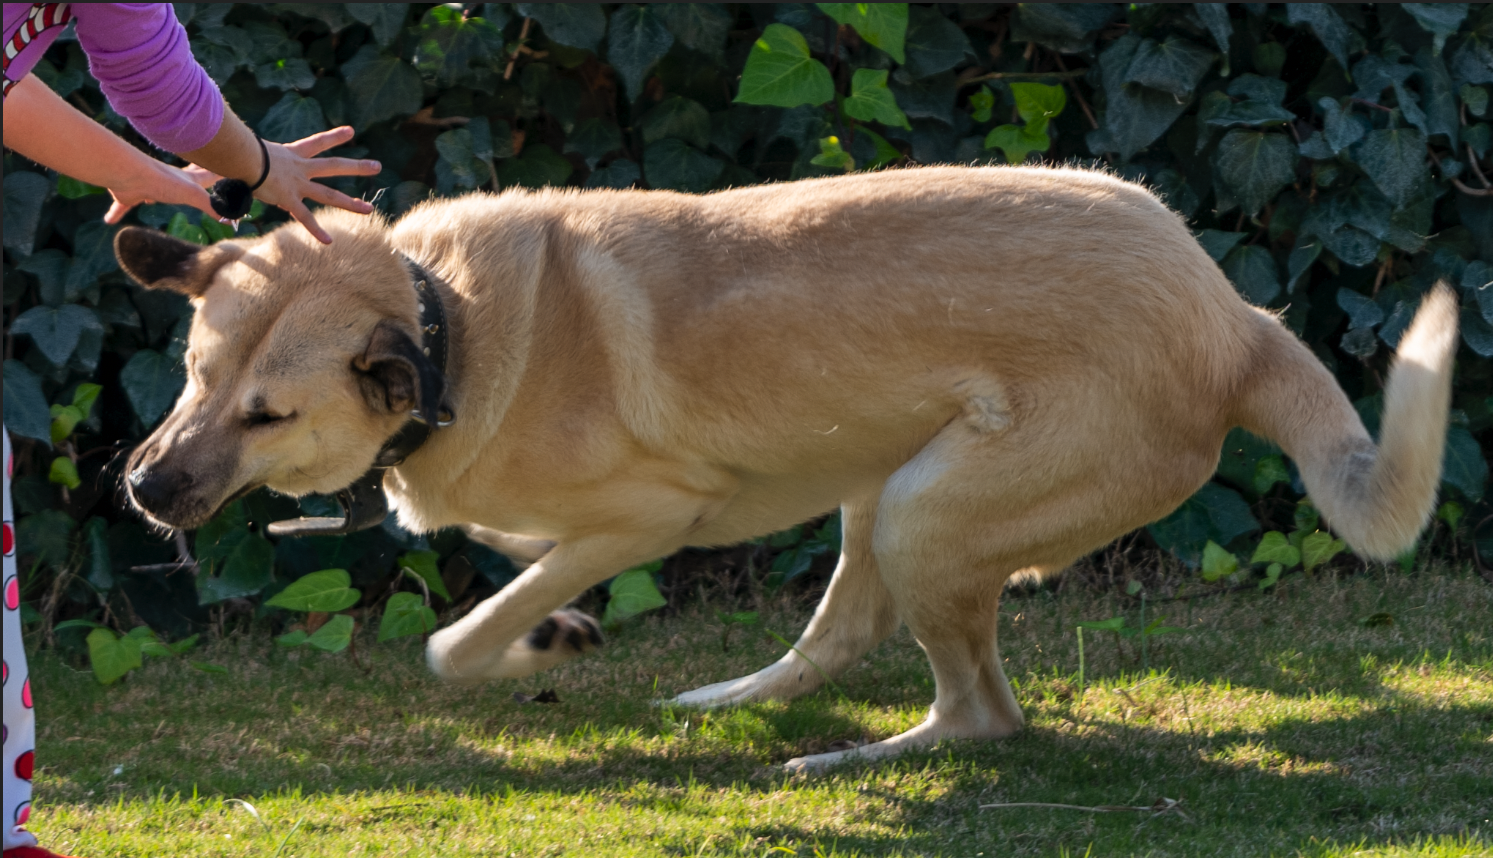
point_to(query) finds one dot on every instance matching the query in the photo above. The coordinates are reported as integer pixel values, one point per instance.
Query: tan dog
(989, 371)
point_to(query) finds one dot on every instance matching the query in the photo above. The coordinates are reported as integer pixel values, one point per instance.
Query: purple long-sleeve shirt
(140, 56)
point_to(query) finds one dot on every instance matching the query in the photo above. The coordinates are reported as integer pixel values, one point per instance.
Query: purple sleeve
(144, 65)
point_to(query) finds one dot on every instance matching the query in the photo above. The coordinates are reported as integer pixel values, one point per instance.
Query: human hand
(294, 165)
(160, 183)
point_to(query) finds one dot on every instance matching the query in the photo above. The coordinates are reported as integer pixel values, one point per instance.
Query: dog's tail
(1377, 498)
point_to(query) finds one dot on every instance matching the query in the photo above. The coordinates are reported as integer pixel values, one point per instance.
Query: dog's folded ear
(156, 260)
(395, 374)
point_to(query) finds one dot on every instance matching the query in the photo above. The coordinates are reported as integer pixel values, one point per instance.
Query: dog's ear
(396, 375)
(156, 260)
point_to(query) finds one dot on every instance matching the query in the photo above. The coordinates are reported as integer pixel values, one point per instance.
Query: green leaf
(1272, 576)
(1215, 16)
(234, 560)
(25, 193)
(1215, 513)
(593, 140)
(1276, 548)
(579, 25)
(1016, 143)
(209, 668)
(293, 639)
(151, 382)
(1067, 28)
(422, 564)
(100, 568)
(934, 43)
(698, 26)
(1253, 166)
(639, 39)
(1451, 513)
(449, 43)
(1175, 65)
(1318, 548)
(459, 166)
(982, 103)
(1476, 99)
(1253, 272)
(405, 614)
(71, 189)
(676, 165)
(1218, 243)
(621, 173)
(1268, 472)
(1463, 465)
(538, 167)
(833, 155)
(26, 410)
(292, 117)
(1362, 311)
(111, 656)
(64, 473)
(1134, 115)
(183, 228)
(887, 153)
(632, 593)
(1438, 19)
(380, 87)
(328, 590)
(1113, 624)
(1330, 29)
(1038, 102)
(870, 100)
(334, 635)
(1218, 562)
(881, 24)
(285, 73)
(386, 20)
(680, 118)
(780, 73)
(56, 330)
(1395, 160)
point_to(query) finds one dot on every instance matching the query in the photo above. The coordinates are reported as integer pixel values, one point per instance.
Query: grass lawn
(1282, 722)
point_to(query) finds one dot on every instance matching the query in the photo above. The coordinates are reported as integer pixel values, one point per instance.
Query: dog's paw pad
(571, 629)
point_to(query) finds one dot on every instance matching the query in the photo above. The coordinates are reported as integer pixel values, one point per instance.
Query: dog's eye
(264, 418)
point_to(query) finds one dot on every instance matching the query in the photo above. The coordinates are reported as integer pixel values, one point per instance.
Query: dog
(989, 371)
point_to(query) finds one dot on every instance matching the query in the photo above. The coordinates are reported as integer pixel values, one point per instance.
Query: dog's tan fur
(989, 370)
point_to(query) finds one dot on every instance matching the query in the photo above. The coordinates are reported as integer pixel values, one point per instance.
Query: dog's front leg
(522, 630)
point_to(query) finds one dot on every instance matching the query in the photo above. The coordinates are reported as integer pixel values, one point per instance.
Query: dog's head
(302, 360)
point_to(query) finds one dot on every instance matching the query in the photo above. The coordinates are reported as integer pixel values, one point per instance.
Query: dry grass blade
(1162, 805)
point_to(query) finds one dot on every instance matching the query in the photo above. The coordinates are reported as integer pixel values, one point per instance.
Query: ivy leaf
(780, 73)
(1272, 576)
(56, 330)
(449, 43)
(64, 473)
(1214, 512)
(386, 20)
(698, 26)
(405, 614)
(112, 656)
(1038, 102)
(1218, 562)
(1340, 128)
(100, 566)
(1275, 548)
(1175, 65)
(1318, 548)
(870, 100)
(1330, 29)
(285, 73)
(1438, 19)
(1113, 624)
(380, 87)
(833, 155)
(328, 591)
(934, 43)
(632, 593)
(48, 535)
(677, 117)
(1302, 256)
(235, 561)
(538, 167)
(1463, 465)
(422, 564)
(1254, 166)
(459, 165)
(1395, 160)
(294, 638)
(982, 103)
(594, 139)
(152, 381)
(676, 165)
(25, 193)
(26, 410)
(334, 635)
(1067, 28)
(1016, 142)
(1362, 311)
(639, 39)
(885, 152)
(1134, 115)
(1217, 243)
(621, 173)
(881, 24)
(293, 117)
(1215, 17)
(579, 25)
(1253, 272)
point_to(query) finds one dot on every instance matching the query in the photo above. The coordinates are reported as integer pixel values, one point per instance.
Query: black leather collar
(363, 503)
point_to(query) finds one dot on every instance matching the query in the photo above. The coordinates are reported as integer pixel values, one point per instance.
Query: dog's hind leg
(855, 614)
(522, 630)
(523, 550)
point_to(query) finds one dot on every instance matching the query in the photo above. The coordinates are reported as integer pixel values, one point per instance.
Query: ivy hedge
(1334, 160)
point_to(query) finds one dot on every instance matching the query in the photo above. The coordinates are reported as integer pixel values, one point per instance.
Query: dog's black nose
(154, 489)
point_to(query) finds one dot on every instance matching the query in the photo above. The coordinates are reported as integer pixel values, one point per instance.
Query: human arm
(53, 133)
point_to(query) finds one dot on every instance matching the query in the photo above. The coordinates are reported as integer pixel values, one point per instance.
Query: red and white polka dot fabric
(20, 722)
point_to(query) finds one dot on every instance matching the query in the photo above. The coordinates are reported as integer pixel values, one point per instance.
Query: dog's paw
(566, 630)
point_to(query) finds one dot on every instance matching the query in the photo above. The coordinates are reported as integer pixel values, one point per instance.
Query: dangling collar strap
(363, 503)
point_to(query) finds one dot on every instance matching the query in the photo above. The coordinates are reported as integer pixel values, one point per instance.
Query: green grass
(1283, 724)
